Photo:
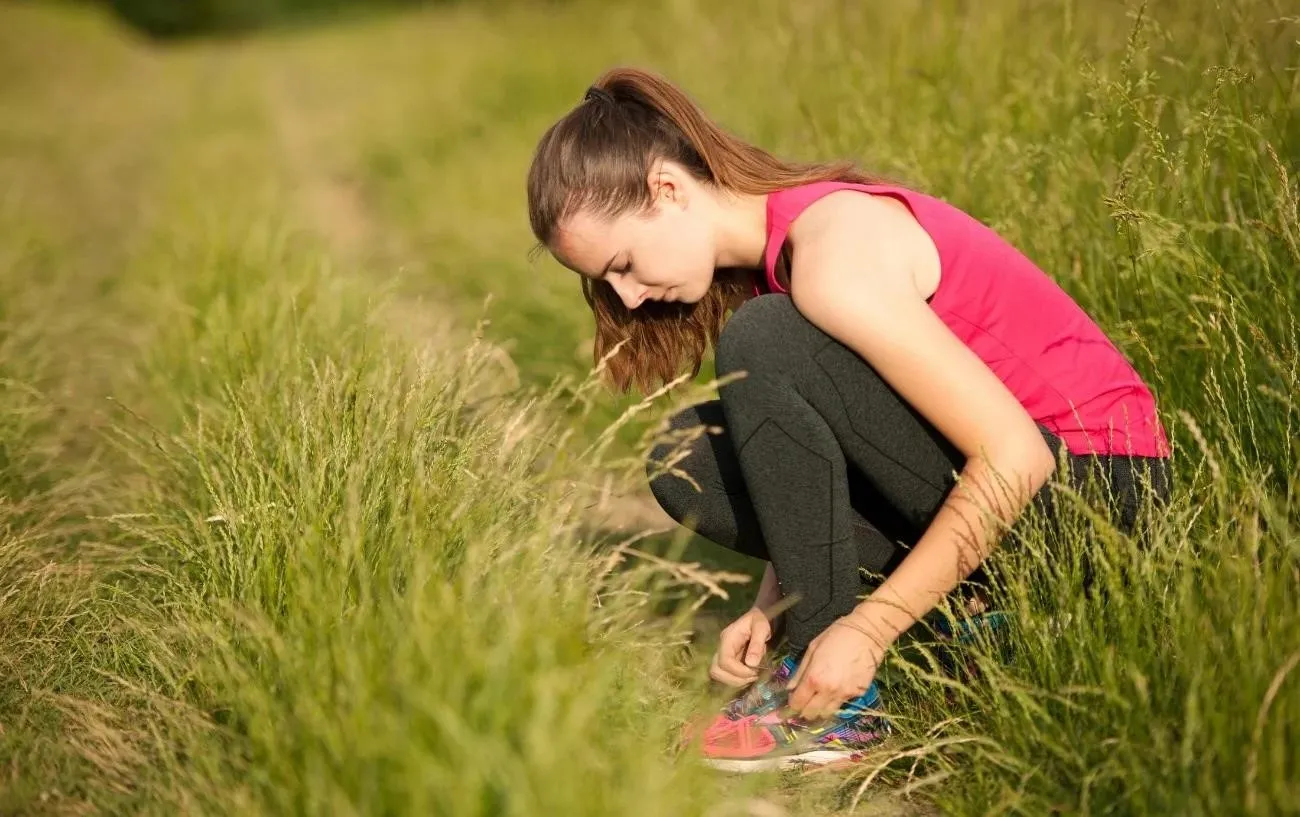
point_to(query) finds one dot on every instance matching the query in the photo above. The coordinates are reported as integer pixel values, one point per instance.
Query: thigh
(718, 505)
(908, 464)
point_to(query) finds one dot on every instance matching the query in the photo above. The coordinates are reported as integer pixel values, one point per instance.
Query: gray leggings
(823, 470)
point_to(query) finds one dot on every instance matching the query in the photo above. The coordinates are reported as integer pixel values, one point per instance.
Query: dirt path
(333, 208)
(309, 125)
(328, 204)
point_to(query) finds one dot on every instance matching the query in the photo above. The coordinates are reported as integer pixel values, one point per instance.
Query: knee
(673, 493)
(670, 491)
(763, 331)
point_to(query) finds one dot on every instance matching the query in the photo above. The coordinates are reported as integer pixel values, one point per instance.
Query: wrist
(769, 590)
(892, 609)
(881, 633)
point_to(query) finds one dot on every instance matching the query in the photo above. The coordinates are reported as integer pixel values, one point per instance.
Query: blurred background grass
(278, 536)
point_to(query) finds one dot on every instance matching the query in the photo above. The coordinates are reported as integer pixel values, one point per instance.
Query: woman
(907, 376)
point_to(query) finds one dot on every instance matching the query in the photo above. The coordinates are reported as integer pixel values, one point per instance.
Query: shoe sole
(817, 757)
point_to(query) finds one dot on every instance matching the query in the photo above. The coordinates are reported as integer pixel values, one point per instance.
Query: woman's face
(665, 254)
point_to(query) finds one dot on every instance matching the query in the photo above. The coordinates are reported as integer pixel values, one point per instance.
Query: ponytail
(597, 158)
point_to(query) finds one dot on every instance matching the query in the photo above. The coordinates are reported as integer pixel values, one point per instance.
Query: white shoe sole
(819, 757)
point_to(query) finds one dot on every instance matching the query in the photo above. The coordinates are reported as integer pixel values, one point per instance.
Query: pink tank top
(1064, 370)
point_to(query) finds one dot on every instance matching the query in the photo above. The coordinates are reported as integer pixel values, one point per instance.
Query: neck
(741, 231)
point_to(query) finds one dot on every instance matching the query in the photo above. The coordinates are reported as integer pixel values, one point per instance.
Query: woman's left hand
(838, 665)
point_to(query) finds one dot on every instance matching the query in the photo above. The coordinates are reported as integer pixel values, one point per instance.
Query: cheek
(676, 248)
(691, 243)
(658, 254)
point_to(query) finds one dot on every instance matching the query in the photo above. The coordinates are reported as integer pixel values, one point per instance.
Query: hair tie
(599, 94)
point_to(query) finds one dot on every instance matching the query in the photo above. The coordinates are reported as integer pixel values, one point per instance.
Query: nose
(632, 293)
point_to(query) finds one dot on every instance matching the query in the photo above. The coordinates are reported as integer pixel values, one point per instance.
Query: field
(308, 505)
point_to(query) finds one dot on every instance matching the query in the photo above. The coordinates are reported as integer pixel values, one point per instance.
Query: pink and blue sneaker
(756, 731)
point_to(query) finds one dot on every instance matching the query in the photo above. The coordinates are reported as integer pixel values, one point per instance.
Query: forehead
(585, 243)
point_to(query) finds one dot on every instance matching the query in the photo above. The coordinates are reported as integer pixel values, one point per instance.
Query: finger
(820, 705)
(730, 660)
(721, 674)
(835, 702)
(803, 693)
(758, 643)
(727, 679)
(732, 641)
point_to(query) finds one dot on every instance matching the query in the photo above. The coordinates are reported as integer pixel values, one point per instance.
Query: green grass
(275, 540)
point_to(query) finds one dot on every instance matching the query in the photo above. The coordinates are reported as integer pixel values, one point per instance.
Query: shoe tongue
(785, 669)
(774, 683)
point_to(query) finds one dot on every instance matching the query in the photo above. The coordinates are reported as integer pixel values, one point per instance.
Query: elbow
(1044, 466)
(1037, 462)
(1030, 460)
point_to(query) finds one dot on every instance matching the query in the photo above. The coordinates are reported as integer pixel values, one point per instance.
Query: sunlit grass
(274, 540)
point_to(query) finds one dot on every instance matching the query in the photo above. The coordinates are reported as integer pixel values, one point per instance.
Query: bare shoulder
(878, 232)
(863, 210)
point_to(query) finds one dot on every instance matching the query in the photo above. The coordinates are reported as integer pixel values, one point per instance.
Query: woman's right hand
(740, 649)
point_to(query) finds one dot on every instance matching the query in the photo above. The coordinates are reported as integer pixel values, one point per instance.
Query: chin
(695, 296)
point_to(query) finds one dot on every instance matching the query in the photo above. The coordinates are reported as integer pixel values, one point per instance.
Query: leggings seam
(768, 420)
(844, 404)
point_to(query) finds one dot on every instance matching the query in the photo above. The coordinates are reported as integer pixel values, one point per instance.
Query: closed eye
(610, 270)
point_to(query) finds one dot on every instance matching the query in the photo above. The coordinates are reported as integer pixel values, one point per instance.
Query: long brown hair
(597, 158)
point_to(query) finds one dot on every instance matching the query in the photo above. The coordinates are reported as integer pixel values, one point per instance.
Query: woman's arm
(855, 259)
(769, 591)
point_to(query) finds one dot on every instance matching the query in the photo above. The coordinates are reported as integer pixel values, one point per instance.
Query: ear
(667, 183)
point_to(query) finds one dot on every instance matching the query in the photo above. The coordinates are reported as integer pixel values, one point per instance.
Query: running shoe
(755, 730)
(779, 739)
